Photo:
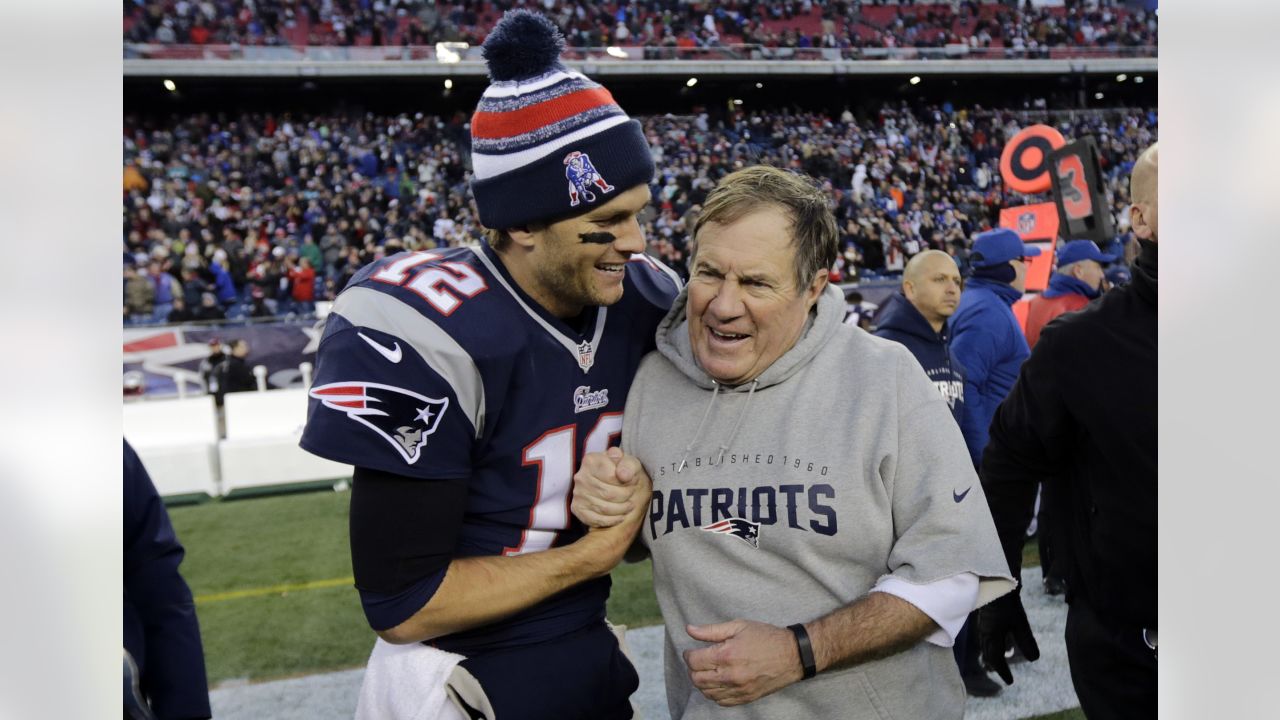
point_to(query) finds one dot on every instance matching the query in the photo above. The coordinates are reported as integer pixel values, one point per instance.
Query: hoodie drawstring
(698, 433)
(742, 415)
(684, 459)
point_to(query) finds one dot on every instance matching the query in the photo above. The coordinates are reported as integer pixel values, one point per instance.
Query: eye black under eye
(597, 238)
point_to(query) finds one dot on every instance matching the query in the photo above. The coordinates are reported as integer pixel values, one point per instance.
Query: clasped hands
(745, 660)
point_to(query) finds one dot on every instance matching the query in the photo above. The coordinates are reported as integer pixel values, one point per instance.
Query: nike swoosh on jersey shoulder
(393, 354)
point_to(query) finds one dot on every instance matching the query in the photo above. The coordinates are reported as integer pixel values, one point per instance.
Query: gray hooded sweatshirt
(786, 498)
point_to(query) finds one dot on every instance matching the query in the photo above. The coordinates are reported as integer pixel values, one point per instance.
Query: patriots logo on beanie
(540, 125)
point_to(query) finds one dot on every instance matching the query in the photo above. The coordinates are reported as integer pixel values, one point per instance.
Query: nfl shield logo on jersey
(586, 356)
(401, 417)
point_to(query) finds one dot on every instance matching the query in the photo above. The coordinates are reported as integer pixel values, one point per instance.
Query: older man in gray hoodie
(818, 533)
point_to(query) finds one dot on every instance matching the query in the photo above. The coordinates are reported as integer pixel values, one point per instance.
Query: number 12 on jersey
(554, 454)
(430, 284)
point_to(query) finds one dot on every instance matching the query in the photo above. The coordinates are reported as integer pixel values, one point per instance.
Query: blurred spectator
(164, 659)
(258, 307)
(311, 252)
(302, 281)
(223, 285)
(208, 309)
(1019, 30)
(217, 353)
(139, 296)
(856, 314)
(193, 288)
(180, 312)
(255, 185)
(233, 374)
(133, 180)
(167, 291)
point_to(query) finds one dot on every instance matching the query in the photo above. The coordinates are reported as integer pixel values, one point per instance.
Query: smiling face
(581, 261)
(744, 308)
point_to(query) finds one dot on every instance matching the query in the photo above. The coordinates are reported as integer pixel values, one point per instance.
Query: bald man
(917, 317)
(1089, 429)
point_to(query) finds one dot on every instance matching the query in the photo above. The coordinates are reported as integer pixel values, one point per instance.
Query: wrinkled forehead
(744, 249)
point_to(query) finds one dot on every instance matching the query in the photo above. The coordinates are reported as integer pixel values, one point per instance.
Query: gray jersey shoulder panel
(368, 308)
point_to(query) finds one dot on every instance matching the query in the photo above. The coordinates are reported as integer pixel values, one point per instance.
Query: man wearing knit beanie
(464, 386)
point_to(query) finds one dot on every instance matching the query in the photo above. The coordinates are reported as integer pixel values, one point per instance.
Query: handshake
(610, 489)
(611, 497)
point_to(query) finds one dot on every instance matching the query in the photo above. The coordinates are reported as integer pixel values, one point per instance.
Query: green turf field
(273, 586)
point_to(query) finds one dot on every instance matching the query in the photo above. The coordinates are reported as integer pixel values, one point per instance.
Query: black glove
(997, 622)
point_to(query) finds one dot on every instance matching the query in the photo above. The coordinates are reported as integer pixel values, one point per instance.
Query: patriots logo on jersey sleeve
(745, 530)
(402, 417)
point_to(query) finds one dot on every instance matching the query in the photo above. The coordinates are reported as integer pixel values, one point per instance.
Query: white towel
(407, 682)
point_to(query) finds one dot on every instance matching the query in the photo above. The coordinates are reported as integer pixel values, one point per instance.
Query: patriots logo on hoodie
(745, 530)
(401, 417)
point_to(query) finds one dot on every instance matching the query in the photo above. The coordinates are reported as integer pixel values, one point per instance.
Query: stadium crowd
(258, 216)
(672, 24)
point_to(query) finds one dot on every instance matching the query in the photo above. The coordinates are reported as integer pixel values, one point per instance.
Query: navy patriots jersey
(436, 365)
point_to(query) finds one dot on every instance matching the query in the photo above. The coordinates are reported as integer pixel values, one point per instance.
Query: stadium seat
(261, 447)
(177, 441)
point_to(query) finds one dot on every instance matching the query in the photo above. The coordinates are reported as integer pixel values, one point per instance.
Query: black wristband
(806, 650)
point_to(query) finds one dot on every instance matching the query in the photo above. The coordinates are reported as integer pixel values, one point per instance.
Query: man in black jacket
(1082, 416)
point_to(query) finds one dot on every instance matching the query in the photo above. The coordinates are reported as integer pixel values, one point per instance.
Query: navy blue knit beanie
(546, 142)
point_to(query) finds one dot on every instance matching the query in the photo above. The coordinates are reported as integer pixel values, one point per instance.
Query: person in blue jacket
(986, 337)
(164, 659)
